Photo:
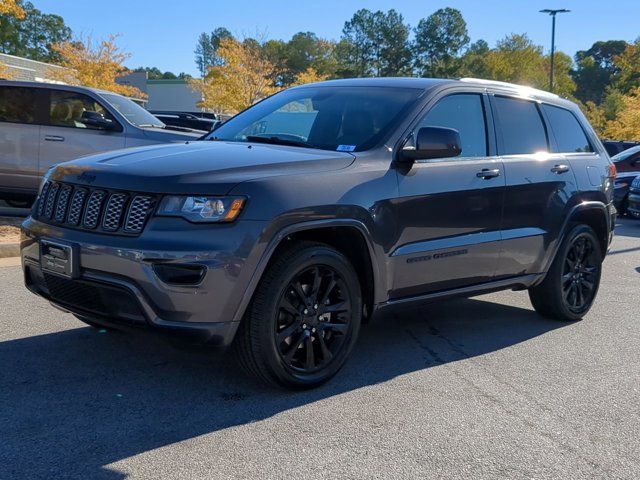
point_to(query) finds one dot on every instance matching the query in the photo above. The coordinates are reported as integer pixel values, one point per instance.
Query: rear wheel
(304, 318)
(571, 285)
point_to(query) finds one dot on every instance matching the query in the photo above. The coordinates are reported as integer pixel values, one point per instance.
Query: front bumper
(117, 284)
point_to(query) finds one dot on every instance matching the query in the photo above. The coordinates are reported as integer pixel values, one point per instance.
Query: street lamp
(553, 37)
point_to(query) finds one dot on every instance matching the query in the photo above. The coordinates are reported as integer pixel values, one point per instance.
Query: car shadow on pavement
(76, 401)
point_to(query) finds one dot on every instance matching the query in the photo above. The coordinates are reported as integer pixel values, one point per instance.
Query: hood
(201, 167)
(168, 135)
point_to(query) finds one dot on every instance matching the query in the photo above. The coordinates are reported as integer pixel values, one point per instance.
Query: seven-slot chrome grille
(95, 209)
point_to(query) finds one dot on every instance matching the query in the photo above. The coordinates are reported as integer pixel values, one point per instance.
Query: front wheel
(304, 318)
(571, 285)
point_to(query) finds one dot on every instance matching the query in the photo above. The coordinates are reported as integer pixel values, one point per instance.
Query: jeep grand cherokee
(283, 230)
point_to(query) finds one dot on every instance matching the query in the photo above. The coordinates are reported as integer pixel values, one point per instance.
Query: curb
(9, 250)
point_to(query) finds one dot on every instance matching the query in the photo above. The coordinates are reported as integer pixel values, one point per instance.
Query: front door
(449, 210)
(71, 134)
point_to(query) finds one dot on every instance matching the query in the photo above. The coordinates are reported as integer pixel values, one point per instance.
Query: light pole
(553, 38)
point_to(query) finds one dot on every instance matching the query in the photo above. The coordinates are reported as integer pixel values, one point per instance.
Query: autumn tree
(626, 124)
(93, 65)
(244, 77)
(12, 8)
(310, 75)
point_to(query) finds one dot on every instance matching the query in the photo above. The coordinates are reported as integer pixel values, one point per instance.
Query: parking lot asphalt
(479, 388)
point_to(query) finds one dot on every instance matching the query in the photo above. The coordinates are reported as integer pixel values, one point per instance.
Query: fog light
(180, 274)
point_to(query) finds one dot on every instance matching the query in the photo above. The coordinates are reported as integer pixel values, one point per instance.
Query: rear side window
(17, 105)
(570, 136)
(521, 126)
(465, 113)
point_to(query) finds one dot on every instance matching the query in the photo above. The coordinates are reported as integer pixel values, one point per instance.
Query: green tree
(595, 69)
(628, 64)
(439, 40)
(206, 51)
(394, 54)
(34, 35)
(374, 44)
(304, 51)
(473, 62)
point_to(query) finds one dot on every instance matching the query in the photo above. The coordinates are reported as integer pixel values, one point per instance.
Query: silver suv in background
(43, 124)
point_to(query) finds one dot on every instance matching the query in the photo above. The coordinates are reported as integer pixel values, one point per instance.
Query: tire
(303, 320)
(623, 207)
(571, 284)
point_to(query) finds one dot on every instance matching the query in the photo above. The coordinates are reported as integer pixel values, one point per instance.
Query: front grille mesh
(93, 209)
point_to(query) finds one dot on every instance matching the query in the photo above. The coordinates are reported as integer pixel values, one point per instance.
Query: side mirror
(433, 142)
(96, 120)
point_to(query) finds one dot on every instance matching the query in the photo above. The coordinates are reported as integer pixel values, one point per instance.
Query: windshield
(347, 119)
(132, 111)
(625, 154)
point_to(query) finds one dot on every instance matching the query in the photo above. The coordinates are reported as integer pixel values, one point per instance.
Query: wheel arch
(350, 237)
(591, 212)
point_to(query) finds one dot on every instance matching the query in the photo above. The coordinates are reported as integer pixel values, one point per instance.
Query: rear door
(449, 209)
(69, 132)
(20, 115)
(539, 184)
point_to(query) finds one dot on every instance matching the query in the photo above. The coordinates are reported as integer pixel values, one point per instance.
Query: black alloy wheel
(580, 274)
(304, 317)
(314, 316)
(571, 283)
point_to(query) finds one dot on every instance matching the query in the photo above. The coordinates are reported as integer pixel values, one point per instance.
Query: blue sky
(163, 33)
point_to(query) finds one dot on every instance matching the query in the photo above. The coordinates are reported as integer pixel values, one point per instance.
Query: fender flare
(564, 230)
(282, 234)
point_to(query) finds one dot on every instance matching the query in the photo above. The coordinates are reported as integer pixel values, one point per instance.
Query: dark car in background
(614, 147)
(303, 216)
(187, 120)
(209, 115)
(627, 164)
(633, 203)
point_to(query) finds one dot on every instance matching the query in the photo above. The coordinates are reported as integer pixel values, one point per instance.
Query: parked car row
(44, 124)
(628, 167)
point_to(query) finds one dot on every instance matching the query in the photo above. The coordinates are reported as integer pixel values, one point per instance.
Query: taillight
(612, 171)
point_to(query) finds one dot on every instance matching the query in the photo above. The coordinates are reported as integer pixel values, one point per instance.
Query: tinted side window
(70, 109)
(569, 134)
(18, 105)
(465, 113)
(521, 126)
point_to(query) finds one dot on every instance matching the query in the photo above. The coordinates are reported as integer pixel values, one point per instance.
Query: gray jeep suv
(283, 230)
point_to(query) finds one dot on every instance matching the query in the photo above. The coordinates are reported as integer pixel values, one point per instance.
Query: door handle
(560, 168)
(54, 138)
(487, 173)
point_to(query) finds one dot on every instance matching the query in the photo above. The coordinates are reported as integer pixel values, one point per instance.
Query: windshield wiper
(274, 140)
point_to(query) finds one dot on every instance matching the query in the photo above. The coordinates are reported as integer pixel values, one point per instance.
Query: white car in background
(43, 124)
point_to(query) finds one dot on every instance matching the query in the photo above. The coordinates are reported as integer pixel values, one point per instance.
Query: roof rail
(523, 88)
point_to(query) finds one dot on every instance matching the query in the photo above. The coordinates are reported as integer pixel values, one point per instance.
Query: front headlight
(202, 208)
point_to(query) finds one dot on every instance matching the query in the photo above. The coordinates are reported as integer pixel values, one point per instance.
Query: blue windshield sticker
(346, 148)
